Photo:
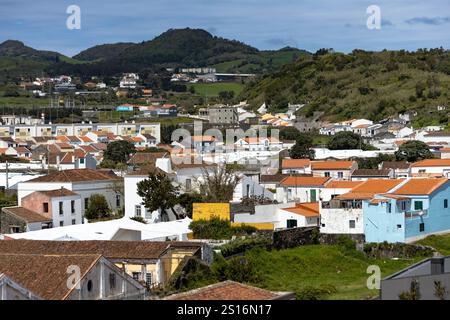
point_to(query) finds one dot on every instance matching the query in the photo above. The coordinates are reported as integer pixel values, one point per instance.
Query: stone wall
(7, 220)
(291, 238)
(329, 238)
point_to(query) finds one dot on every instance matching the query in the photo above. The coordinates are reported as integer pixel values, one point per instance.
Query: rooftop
(420, 186)
(304, 181)
(295, 163)
(332, 165)
(432, 163)
(230, 290)
(342, 184)
(62, 192)
(371, 172)
(310, 209)
(26, 215)
(77, 175)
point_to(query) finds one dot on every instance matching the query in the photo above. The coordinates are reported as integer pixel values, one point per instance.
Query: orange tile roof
(432, 163)
(304, 181)
(421, 186)
(332, 165)
(369, 188)
(295, 163)
(444, 150)
(85, 139)
(337, 184)
(203, 138)
(309, 209)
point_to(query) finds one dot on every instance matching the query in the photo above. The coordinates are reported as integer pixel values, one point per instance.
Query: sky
(264, 24)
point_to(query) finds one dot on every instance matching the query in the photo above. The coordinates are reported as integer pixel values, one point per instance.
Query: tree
(302, 149)
(346, 140)
(187, 199)
(98, 208)
(158, 192)
(413, 151)
(289, 133)
(219, 185)
(119, 151)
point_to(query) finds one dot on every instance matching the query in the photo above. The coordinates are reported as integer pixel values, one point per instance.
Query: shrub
(315, 293)
(139, 219)
(97, 208)
(218, 229)
(241, 245)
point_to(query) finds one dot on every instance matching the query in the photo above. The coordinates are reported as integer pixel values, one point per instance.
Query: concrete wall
(338, 221)
(132, 200)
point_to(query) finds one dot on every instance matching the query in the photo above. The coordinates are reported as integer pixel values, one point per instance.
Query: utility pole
(7, 178)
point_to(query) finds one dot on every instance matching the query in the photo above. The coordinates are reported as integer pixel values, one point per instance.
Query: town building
(338, 170)
(301, 189)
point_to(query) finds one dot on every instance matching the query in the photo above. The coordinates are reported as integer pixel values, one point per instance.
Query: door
(312, 195)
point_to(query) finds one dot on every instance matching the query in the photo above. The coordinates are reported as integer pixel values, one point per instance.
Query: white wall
(68, 216)
(298, 194)
(337, 221)
(439, 170)
(132, 199)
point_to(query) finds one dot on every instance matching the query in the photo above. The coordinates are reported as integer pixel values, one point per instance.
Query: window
(117, 200)
(422, 227)
(112, 280)
(86, 203)
(14, 229)
(422, 171)
(61, 223)
(340, 175)
(72, 206)
(389, 208)
(136, 275)
(352, 224)
(291, 223)
(399, 226)
(89, 285)
(445, 203)
(403, 204)
(248, 190)
(45, 204)
(148, 279)
(61, 209)
(327, 174)
(81, 160)
(418, 205)
(74, 221)
(188, 184)
(137, 210)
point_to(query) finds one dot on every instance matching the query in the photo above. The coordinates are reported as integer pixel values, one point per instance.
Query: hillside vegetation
(373, 85)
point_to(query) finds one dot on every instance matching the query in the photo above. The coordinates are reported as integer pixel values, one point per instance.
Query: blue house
(414, 210)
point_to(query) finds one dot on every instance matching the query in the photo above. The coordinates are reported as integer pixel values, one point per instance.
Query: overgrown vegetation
(218, 229)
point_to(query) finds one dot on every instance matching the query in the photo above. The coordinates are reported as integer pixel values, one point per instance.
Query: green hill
(360, 84)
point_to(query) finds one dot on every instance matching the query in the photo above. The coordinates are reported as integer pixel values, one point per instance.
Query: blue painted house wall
(381, 225)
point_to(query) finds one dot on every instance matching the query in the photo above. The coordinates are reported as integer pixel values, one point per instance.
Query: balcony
(415, 214)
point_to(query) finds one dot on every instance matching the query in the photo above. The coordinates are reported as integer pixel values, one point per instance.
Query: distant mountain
(372, 85)
(176, 48)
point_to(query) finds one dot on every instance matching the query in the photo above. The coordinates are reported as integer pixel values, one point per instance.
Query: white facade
(426, 170)
(66, 216)
(299, 194)
(341, 221)
(109, 189)
(133, 202)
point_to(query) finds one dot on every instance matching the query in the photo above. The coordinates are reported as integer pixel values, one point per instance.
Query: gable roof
(420, 186)
(76, 175)
(332, 165)
(310, 209)
(63, 192)
(371, 173)
(304, 181)
(369, 188)
(25, 215)
(45, 275)
(432, 163)
(140, 158)
(229, 290)
(295, 163)
(342, 184)
(395, 165)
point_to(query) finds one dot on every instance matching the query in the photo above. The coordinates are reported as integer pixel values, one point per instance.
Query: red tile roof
(76, 175)
(310, 209)
(432, 163)
(332, 165)
(337, 184)
(295, 163)
(26, 215)
(421, 186)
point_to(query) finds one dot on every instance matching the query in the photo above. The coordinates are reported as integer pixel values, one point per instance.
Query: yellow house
(205, 211)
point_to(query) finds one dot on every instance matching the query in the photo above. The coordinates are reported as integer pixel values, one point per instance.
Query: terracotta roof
(332, 165)
(140, 158)
(85, 139)
(432, 163)
(63, 192)
(304, 181)
(203, 138)
(26, 215)
(438, 134)
(295, 163)
(275, 178)
(310, 209)
(76, 175)
(21, 150)
(444, 150)
(421, 186)
(342, 184)
(259, 140)
(369, 188)
(88, 148)
(227, 290)
(395, 165)
(371, 172)
(109, 249)
(45, 275)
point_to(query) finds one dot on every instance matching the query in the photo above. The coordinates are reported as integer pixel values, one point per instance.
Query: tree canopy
(413, 151)
(98, 208)
(119, 151)
(302, 148)
(346, 140)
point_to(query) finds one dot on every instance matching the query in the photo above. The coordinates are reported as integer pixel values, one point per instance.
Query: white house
(300, 166)
(301, 189)
(344, 214)
(339, 170)
(84, 182)
(431, 167)
(259, 144)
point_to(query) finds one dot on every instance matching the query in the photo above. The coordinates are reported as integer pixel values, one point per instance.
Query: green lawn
(213, 89)
(316, 265)
(441, 243)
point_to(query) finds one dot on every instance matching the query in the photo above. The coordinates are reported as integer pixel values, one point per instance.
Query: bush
(315, 293)
(241, 245)
(238, 269)
(97, 208)
(218, 229)
(139, 219)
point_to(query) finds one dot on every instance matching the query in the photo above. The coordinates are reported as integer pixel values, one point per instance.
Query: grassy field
(213, 89)
(320, 265)
(441, 243)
